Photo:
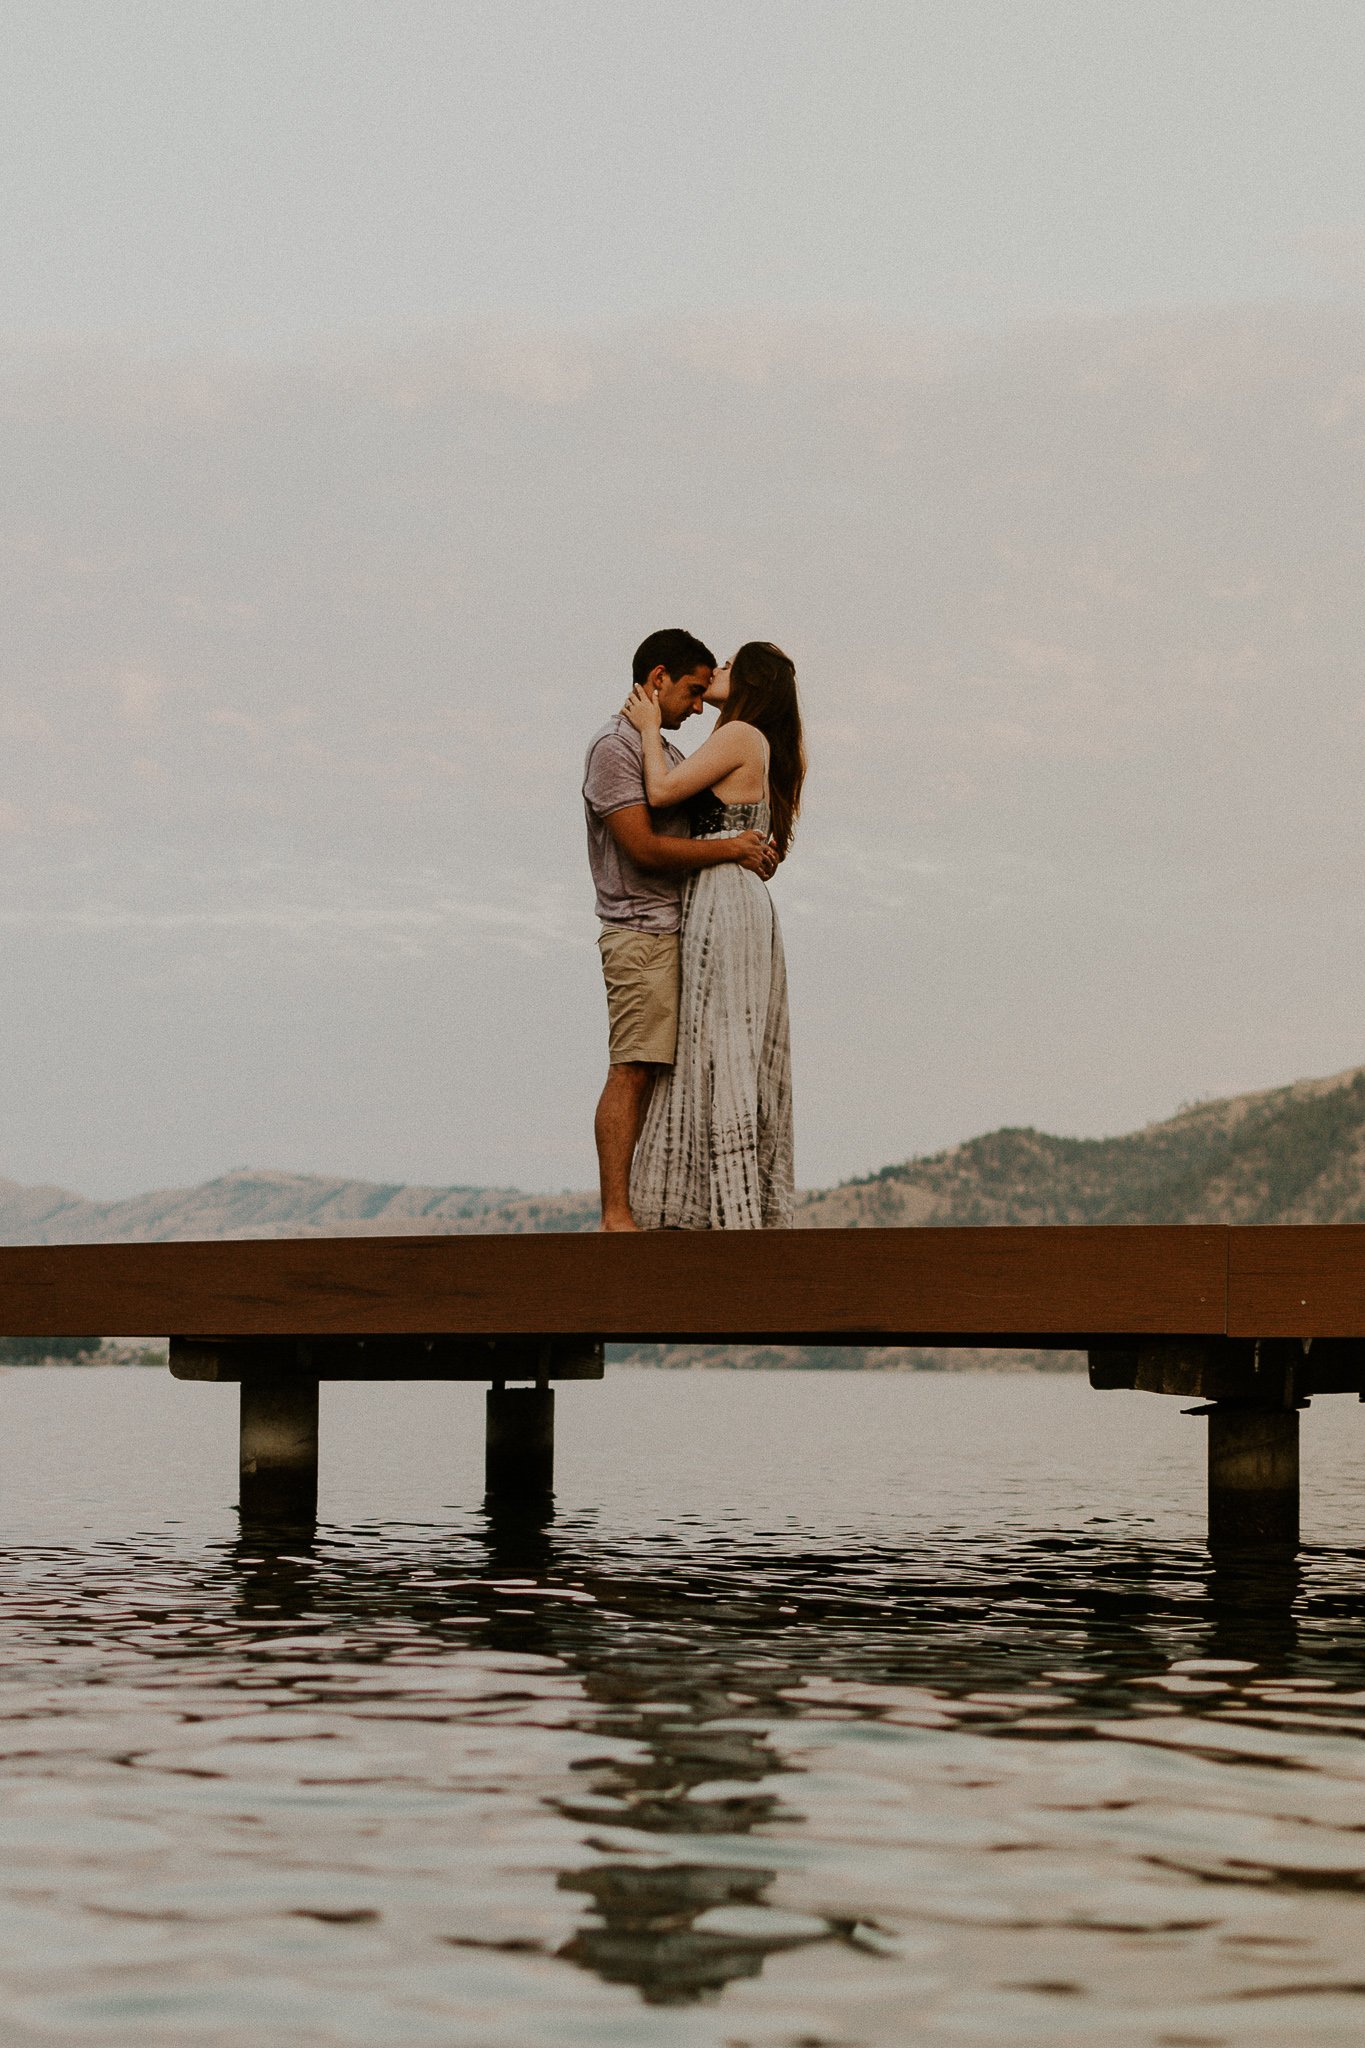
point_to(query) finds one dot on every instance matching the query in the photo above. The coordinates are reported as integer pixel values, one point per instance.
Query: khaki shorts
(641, 973)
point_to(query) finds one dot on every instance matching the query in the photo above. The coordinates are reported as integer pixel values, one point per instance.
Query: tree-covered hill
(1291, 1155)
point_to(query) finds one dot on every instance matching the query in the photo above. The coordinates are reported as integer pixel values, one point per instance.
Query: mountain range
(1286, 1155)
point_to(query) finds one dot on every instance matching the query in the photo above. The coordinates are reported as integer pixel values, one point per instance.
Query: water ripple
(678, 1779)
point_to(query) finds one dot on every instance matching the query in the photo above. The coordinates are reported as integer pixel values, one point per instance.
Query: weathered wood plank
(1297, 1280)
(1009, 1286)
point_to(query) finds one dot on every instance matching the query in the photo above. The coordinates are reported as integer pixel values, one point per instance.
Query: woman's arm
(634, 833)
(729, 747)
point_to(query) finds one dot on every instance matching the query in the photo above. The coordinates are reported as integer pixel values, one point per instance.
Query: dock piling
(519, 1457)
(1253, 1477)
(279, 1448)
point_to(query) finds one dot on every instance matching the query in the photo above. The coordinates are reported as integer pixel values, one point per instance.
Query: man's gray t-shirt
(613, 778)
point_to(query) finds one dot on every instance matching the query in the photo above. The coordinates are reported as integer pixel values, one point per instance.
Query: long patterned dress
(716, 1149)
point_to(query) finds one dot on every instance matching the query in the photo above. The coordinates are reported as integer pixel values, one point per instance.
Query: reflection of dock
(1250, 1322)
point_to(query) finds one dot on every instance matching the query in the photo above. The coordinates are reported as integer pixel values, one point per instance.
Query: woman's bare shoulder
(745, 737)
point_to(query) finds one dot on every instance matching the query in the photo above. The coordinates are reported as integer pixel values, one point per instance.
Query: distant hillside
(1288, 1155)
(265, 1204)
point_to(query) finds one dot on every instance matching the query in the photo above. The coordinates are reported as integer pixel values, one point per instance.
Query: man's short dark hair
(680, 653)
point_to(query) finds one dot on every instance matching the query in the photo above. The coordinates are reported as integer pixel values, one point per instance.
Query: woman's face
(720, 686)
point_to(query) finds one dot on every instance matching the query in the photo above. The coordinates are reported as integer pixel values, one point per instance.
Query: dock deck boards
(1039, 1285)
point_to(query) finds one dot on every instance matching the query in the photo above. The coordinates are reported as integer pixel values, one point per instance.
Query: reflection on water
(651, 1927)
(701, 1776)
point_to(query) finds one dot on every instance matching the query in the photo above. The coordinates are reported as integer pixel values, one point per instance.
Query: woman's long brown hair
(763, 693)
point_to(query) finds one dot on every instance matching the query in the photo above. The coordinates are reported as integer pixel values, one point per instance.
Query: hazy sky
(375, 375)
(256, 173)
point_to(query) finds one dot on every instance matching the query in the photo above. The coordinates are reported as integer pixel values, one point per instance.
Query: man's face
(683, 698)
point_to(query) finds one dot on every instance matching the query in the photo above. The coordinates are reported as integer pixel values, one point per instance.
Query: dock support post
(519, 1460)
(279, 1449)
(1253, 1477)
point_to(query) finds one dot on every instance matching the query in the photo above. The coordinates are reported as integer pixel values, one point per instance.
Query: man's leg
(620, 1113)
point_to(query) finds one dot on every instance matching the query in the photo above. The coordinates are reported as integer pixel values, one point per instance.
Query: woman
(716, 1149)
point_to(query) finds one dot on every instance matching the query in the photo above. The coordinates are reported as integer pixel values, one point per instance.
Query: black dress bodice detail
(709, 818)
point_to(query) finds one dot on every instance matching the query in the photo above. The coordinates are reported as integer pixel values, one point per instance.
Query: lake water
(830, 1709)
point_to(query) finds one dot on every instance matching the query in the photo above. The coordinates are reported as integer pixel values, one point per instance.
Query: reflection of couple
(699, 1090)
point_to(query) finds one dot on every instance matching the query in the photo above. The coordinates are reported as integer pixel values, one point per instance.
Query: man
(640, 860)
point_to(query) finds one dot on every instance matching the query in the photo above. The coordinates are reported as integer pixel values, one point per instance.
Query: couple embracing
(694, 1127)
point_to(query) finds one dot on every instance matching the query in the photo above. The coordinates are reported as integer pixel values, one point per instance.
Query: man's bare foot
(626, 1222)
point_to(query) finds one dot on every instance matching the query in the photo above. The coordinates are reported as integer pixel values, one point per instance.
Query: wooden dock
(1251, 1323)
